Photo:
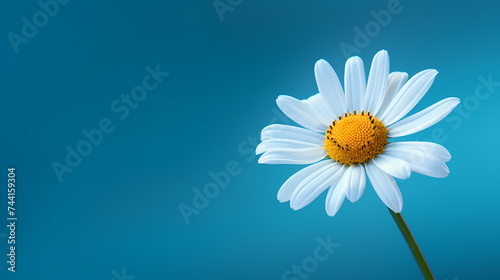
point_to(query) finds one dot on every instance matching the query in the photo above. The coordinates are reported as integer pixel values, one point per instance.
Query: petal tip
(382, 54)
(354, 58)
(321, 61)
(294, 207)
(396, 208)
(329, 213)
(280, 97)
(281, 199)
(321, 65)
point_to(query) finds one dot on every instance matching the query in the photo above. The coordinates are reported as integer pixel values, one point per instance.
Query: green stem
(415, 250)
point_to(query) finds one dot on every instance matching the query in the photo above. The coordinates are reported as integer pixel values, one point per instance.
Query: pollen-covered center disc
(355, 138)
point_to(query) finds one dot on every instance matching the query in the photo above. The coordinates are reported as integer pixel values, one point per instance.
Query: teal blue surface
(118, 213)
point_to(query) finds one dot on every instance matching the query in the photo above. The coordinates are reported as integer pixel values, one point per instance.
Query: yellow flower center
(355, 138)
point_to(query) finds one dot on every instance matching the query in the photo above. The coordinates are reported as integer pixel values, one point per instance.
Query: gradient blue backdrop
(120, 207)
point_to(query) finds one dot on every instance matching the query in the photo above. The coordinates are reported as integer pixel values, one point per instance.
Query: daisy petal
(355, 180)
(292, 156)
(317, 102)
(377, 82)
(276, 144)
(393, 166)
(281, 131)
(423, 119)
(385, 187)
(355, 83)
(420, 161)
(425, 147)
(286, 190)
(395, 81)
(408, 96)
(334, 199)
(315, 184)
(302, 113)
(330, 88)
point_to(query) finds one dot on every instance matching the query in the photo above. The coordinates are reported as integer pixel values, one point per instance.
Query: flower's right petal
(393, 166)
(385, 187)
(408, 96)
(302, 113)
(315, 184)
(423, 119)
(420, 161)
(355, 84)
(330, 88)
(293, 156)
(395, 82)
(287, 189)
(281, 131)
(422, 147)
(276, 144)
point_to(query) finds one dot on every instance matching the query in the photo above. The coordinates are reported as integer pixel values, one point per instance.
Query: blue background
(119, 208)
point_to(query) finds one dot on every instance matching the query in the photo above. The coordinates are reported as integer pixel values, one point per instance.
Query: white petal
(281, 131)
(330, 88)
(315, 184)
(334, 199)
(302, 113)
(355, 83)
(385, 187)
(408, 96)
(377, 82)
(423, 119)
(276, 144)
(393, 166)
(291, 156)
(317, 102)
(419, 160)
(420, 146)
(395, 82)
(285, 192)
(355, 180)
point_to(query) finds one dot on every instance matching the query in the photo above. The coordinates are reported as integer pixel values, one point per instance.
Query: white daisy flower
(344, 136)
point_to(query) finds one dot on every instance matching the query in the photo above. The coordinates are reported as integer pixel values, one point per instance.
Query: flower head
(347, 136)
